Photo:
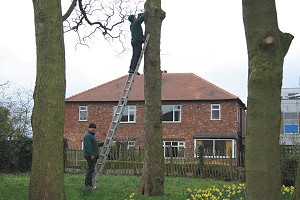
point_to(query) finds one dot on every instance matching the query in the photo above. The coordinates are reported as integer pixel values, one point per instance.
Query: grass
(111, 187)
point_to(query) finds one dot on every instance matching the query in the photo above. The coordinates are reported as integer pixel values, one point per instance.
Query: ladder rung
(109, 138)
(112, 129)
(102, 154)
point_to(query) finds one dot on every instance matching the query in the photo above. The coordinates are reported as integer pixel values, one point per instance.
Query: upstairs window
(171, 113)
(83, 113)
(129, 114)
(215, 113)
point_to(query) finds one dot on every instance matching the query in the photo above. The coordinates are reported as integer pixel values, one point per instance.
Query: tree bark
(47, 173)
(267, 47)
(152, 181)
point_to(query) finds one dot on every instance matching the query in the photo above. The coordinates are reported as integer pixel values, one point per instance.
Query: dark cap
(92, 125)
(131, 18)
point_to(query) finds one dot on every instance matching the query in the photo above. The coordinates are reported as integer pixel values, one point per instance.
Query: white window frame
(131, 108)
(212, 109)
(82, 109)
(130, 144)
(180, 144)
(233, 148)
(174, 110)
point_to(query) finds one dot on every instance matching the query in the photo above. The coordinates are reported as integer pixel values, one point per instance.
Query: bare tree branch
(90, 17)
(70, 10)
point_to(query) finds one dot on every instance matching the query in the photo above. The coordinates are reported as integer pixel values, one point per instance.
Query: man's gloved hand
(92, 157)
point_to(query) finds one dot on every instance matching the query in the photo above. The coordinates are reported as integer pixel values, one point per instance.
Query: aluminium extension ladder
(116, 119)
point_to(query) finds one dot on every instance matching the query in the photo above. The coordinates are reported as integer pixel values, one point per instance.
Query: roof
(175, 86)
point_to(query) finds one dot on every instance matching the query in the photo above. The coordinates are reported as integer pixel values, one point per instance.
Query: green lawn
(110, 187)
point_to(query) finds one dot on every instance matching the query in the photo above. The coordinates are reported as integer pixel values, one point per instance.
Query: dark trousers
(89, 174)
(136, 52)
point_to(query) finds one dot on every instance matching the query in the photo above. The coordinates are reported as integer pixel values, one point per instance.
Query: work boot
(131, 71)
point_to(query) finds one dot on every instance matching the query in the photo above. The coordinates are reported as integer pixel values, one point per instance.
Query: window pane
(167, 113)
(131, 116)
(83, 108)
(208, 147)
(177, 116)
(130, 144)
(174, 151)
(215, 114)
(82, 113)
(215, 107)
(125, 115)
(167, 143)
(220, 147)
(167, 151)
(181, 152)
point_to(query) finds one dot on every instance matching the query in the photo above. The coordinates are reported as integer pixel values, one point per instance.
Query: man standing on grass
(91, 153)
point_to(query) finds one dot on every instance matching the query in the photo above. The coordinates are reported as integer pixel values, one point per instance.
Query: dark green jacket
(136, 29)
(90, 145)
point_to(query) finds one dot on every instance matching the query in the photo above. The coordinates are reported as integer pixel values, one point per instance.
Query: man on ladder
(137, 39)
(138, 53)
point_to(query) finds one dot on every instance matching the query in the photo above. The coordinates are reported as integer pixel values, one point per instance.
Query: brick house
(195, 111)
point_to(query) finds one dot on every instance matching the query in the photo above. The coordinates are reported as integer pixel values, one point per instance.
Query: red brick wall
(195, 120)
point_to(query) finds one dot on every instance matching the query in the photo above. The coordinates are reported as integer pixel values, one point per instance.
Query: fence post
(200, 159)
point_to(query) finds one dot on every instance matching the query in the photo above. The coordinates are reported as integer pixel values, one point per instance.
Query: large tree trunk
(267, 47)
(47, 173)
(152, 181)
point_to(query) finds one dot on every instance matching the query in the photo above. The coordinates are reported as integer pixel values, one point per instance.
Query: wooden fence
(130, 162)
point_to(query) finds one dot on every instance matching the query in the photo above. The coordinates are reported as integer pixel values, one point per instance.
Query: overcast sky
(204, 37)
